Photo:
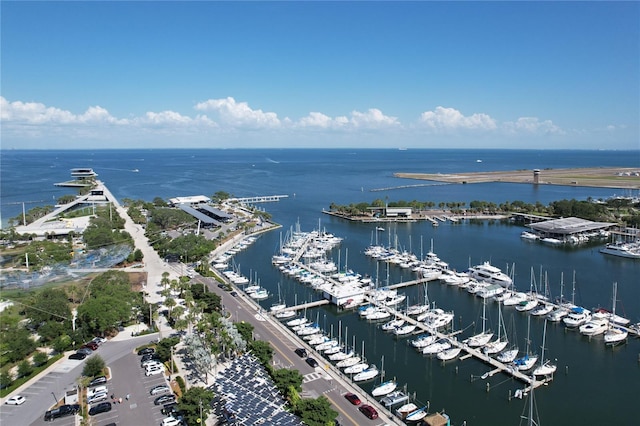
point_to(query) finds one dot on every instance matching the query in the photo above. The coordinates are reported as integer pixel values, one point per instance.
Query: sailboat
(545, 368)
(277, 307)
(483, 338)
(384, 388)
(528, 360)
(532, 417)
(614, 334)
(501, 342)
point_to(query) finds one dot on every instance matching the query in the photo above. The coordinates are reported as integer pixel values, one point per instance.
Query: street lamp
(200, 418)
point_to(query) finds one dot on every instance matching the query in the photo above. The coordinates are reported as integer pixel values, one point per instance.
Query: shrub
(24, 368)
(40, 358)
(93, 366)
(180, 382)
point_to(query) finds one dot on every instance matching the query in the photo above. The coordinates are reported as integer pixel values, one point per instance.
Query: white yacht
(594, 327)
(491, 274)
(423, 341)
(357, 368)
(439, 346)
(615, 335)
(405, 330)
(576, 317)
(348, 362)
(393, 398)
(628, 250)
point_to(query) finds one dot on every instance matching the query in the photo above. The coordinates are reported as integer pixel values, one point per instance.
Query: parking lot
(128, 378)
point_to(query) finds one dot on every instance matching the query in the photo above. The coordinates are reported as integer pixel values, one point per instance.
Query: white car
(98, 397)
(154, 371)
(151, 362)
(16, 400)
(170, 421)
(96, 390)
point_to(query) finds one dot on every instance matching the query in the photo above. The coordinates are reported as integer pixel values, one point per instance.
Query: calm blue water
(593, 385)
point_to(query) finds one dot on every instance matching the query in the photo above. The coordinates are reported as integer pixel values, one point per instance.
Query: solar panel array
(251, 396)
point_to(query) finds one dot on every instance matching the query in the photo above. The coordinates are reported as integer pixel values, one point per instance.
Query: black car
(62, 411)
(86, 351)
(148, 357)
(164, 399)
(169, 408)
(312, 362)
(78, 355)
(146, 351)
(103, 407)
(221, 285)
(302, 352)
(100, 380)
(234, 293)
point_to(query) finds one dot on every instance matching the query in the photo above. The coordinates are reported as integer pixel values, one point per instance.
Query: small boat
(557, 314)
(405, 330)
(630, 251)
(379, 228)
(525, 363)
(368, 374)
(508, 356)
(526, 305)
(576, 317)
(339, 356)
(404, 410)
(393, 324)
(285, 314)
(417, 415)
(384, 388)
(594, 327)
(542, 310)
(434, 348)
(423, 340)
(614, 334)
(355, 369)
(348, 362)
(297, 321)
(545, 368)
(322, 347)
(526, 235)
(449, 354)
(395, 397)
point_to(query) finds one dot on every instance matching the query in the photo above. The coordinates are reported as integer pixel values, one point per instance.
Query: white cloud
(452, 119)
(239, 114)
(531, 125)
(371, 119)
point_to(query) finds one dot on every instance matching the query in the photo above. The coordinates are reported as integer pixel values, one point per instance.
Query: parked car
(103, 407)
(78, 355)
(145, 351)
(151, 362)
(164, 399)
(302, 352)
(159, 389)
(91, 345)
(312, 362)
(85, 350)
(100, 380)
(98, 397)
(97, 390)
(154, 371)
(352, 398)
(171, 421)
(368, 411)
(16, 400)
(147, 357)
(62, 411)
(234, 293)
(99, 340)
(170, 408)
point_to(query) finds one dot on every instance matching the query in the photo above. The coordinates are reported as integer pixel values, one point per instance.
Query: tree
(103, 313)
(261, 350)
(5, 379)
(40, 358)
(50, 304)
(24, 368)
(315, 412)
(287, 380)
(163, 348)
(245, 329)
(94, 366)
(194, 401)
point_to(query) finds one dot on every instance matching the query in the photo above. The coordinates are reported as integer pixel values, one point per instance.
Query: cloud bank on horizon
(221, 123)
(320, 74)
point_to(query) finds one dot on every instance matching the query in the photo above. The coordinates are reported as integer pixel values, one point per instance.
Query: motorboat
(393, 398)
(384, 388)
(628, 250)
(526, 235)
(576, 317)
(417, 415)
(594, 327)
(439, 346)
(405, 410)
(378, 314)
(610, 316)
(449, 354)
(423, 340)
(368, 374)
(490, 274)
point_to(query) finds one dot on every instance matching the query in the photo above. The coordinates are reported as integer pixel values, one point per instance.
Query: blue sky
(320, 74)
